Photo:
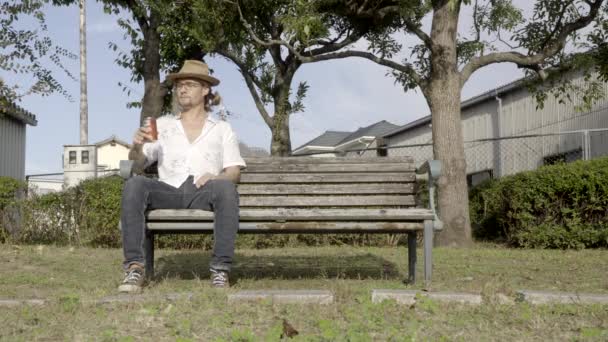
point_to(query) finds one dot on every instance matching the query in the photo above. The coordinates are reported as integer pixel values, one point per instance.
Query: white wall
(109, 156)
(518, 116)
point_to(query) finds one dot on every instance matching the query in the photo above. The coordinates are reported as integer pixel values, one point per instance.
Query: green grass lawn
(72, 278)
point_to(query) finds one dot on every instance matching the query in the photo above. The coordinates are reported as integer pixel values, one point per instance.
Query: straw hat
(194, 69)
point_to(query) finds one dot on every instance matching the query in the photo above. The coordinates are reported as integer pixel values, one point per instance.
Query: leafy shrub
(50, 218)
(89, 214)
(99, 213)
(9, 192)
(557, 206)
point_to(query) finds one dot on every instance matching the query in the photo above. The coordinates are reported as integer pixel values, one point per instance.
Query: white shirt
(215, 149)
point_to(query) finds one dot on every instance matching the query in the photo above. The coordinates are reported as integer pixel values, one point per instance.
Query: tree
(245, 33)
(27, 51)
(144, 59)
(445, 59)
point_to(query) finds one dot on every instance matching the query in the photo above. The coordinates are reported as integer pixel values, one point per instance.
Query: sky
(344, 95)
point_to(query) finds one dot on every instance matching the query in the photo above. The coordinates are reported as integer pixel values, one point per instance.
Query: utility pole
(84, 104)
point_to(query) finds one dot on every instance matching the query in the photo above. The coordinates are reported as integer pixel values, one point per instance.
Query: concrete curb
(9, 303)
(408, 297)
(284, 296)
(139, 298)
(546, 297)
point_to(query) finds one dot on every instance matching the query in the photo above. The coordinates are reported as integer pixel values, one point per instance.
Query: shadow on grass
(191, 265)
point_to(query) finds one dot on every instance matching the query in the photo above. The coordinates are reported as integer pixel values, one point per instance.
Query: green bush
(557, 206)
(50, 218)
(9, 192)
(89, 214)
(100, 211)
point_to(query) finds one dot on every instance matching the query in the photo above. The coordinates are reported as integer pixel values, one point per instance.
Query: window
(84, 157)
(72, 157)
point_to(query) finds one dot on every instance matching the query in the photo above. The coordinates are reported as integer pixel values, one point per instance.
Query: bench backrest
(307, 182)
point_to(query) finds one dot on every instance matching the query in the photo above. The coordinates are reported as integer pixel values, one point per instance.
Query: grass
(71, 278)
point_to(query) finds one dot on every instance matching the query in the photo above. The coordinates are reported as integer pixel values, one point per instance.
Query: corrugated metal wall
(519, 116)
(12, 148)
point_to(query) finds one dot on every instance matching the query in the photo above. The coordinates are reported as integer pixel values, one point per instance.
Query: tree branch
(138, 13)
(532, 61)
(415, 29)
(331, 47)
(251, 82)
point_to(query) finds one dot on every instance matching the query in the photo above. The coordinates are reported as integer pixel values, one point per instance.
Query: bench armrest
(126, 168)
(433, 169)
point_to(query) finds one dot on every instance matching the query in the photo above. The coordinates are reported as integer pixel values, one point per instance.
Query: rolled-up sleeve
(231, 152)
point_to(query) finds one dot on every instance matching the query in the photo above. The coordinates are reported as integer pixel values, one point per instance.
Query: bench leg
(149, 253)
(428, 252)
(411, 257)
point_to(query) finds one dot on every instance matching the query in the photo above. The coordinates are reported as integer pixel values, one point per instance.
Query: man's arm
(137, 155)
(231, 173)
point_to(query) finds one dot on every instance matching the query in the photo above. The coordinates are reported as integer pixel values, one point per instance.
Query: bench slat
(326, 189)
(327, 177)
(332, 160)
(327, 201)
(294, 227)
(286, 214)
(331, 167)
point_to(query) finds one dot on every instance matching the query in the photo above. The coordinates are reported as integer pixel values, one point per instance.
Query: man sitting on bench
(199, 164)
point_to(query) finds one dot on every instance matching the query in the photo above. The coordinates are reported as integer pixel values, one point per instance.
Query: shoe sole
(128, 288)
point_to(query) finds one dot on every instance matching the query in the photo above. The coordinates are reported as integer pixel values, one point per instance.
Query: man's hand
(203, 179)
(142, 135)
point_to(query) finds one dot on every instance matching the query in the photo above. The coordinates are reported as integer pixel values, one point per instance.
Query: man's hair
(212, 99)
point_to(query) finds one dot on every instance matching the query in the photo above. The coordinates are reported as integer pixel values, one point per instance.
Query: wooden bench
(317, 196)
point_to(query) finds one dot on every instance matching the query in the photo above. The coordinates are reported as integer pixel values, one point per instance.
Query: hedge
(89, 214)
(556, 206)
(9, 193)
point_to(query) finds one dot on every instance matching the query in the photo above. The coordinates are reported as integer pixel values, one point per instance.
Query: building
(340, 143)
(109, 154)
(13, 122)
(98, 160)
(505, 133)
(82, 162)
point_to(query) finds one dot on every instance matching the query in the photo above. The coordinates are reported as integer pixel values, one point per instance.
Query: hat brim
(209, 79)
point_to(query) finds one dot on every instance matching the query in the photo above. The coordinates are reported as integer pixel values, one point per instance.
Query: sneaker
(219, 278)
(134, 280)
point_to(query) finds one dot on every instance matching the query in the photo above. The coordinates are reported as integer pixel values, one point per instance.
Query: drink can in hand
(151, 123)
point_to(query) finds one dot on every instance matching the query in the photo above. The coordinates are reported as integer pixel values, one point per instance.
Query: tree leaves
(27, 51)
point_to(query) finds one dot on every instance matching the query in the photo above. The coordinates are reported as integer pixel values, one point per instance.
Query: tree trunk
(154, 92)
(280, 145)
(443, 95)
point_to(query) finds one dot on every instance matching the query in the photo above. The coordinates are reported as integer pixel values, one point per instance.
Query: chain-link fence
(497, 157)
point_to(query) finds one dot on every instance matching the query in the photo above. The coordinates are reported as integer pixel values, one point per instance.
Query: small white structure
(79, 163)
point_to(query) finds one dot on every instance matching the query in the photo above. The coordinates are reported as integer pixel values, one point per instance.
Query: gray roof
(378, 129)
(491, 94)
(113, 138)
(12, 110)
(336, 138)
(327, 139)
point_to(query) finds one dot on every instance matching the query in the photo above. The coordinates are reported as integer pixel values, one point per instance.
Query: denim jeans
(141, 194)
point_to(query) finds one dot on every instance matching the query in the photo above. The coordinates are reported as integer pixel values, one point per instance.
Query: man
(199, 164)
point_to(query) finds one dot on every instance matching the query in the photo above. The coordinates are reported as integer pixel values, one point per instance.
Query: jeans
(141, 194)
